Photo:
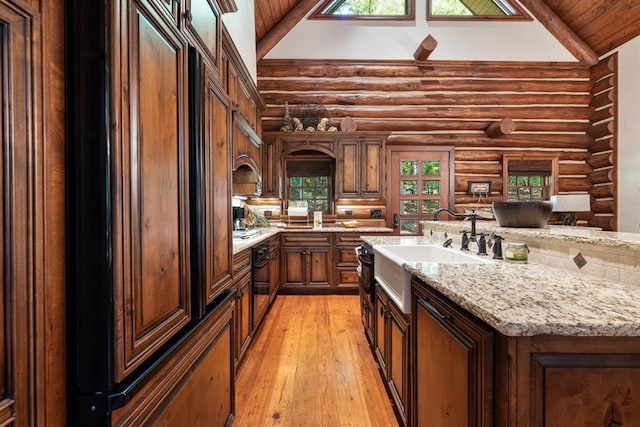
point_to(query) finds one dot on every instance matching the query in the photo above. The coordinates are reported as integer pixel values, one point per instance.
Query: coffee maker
(238, 218)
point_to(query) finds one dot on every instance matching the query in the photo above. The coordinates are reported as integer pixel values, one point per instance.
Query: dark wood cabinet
(360, 167)
(346, 260)
(271, 169)
(391, 348)
(203, 24)
(242, 315)
(306, 262)
(195, 386)
(453, 369)
(151, 190)
(274, 267)
(217, 193)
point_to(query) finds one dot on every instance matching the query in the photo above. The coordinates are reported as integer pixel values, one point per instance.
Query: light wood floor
(311, 366)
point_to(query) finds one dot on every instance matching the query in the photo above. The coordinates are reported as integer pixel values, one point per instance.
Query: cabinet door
(242, 317)
(293, 266)
(381, 327)
(398, 361)
(219, 251)
(271, 172)
(349, 166)
(153, 301)
(203, 22)
(372, 169)
(454, 360)
(318, 267)
(274, 271)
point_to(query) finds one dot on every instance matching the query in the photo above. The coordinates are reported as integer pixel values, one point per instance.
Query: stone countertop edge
(531, 299)
(241, 244)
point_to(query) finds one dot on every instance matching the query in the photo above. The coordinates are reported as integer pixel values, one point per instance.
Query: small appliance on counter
(238, 218)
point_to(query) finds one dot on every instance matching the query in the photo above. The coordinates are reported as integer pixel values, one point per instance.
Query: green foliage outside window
(314, 189)
(366, 8)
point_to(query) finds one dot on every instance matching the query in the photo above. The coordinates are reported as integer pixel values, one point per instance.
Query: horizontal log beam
(602, 85)
(425, 48)
(496, 155)
(602, 176)
(399, 69)
(574, 169)
(603, 69)
(601, 145)
(606, 222)
(603, 114)
(602, 160)
(601, 130)
(268, 84)
(603, 206)
(488, 100)
(481, 168)
(602, 191)
(568, 185)
(569, 113)
(603, 99)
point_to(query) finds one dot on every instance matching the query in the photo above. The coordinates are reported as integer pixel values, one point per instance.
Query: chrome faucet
(473, 215)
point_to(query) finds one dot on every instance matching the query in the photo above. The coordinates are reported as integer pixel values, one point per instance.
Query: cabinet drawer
(347, 277)
(241, 262)
(352, 239)
(317, 239)
(346, 256)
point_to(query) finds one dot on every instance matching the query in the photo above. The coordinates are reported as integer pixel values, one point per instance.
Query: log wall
(603, 149)
(452, 104)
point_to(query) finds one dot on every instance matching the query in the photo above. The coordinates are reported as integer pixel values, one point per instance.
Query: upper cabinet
(360, 168)
(202, 21)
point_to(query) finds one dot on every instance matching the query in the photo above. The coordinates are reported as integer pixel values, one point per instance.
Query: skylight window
(475, 9)
(365, 9)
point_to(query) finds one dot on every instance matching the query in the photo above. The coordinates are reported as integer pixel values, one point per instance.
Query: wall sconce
(569, 204)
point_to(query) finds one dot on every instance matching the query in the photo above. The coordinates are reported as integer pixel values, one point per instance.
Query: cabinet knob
(187, 15)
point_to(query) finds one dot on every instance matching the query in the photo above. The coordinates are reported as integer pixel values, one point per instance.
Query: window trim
(553, 179)
(523, 15)
(409, 16)
(330, 183)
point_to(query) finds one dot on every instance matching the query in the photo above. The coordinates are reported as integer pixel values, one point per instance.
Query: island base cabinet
(555, 381)
(453, 369)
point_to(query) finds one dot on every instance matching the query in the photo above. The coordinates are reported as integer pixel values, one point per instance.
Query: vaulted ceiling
(602, 25)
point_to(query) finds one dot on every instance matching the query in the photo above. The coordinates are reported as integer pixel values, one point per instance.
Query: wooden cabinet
(274, 267)
(391, 349)
(271, 169)
(306, 262)
(453, 370)
(360, 168)
(202, 21)
(151, 191)
(242, 315)
(346, 261)
(195, 385)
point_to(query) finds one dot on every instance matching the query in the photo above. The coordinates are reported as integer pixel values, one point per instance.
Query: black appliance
(260, 260)
(367, 290)
(238, 218)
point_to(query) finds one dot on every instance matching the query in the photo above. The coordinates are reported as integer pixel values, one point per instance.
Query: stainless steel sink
(396, 281)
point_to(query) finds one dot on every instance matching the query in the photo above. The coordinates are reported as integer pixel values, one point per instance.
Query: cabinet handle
(432, 310)
(187, 15)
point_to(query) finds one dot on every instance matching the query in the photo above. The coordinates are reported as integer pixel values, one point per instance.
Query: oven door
(260, 287)
(365, 268)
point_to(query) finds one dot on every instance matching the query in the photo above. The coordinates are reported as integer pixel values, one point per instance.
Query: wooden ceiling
(602, 25)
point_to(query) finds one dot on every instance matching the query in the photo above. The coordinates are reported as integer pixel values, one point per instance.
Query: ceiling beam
(556, 26)
(286, 24)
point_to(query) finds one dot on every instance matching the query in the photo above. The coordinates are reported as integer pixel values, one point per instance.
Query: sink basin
(396, 281)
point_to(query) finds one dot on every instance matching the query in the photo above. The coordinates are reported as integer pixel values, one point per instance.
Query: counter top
(558, 233)
(241, 244)
(530, 299)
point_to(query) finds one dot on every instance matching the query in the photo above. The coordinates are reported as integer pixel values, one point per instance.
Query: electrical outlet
(376, 213)
(268, 213)
(348, 213)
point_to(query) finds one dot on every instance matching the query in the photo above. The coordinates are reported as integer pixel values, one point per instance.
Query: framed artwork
(475, 188)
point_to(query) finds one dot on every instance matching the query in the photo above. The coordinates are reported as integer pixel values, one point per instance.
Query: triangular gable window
(475, 9)
(365, 9)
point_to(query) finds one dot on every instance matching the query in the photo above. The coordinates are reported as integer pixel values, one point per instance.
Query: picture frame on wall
(476, 188)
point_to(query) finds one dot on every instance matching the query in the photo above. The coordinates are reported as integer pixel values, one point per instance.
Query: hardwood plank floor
(311, 366)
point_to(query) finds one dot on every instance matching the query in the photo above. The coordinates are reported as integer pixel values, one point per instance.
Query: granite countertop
(531, 299)
(266, 232)
(557, 233)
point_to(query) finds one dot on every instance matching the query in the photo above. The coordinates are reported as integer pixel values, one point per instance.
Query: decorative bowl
(531, 214)
(350, 224)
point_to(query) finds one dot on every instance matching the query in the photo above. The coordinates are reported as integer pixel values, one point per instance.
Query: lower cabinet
(306, 262)
(242, 284)
(195, 386)
(391, 349)
(274, 267)
(453, 369)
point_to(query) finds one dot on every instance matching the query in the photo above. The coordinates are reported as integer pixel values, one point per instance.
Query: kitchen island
(521, 344)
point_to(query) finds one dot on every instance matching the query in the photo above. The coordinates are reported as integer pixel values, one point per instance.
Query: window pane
(524, 193)
(430, 188)
(296, 194)
(537, 193)
(430, 168)
(408, 226)
(366, 8)
(409, 188)
(430, 206)
(511, 180)
(408, 207)
(535, 180)
(295, 181)
(523, 180)
(512, 193)
(409, 167)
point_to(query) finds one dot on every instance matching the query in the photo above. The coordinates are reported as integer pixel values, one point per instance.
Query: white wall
(242, 28)
(457, 40)
(629, 137)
